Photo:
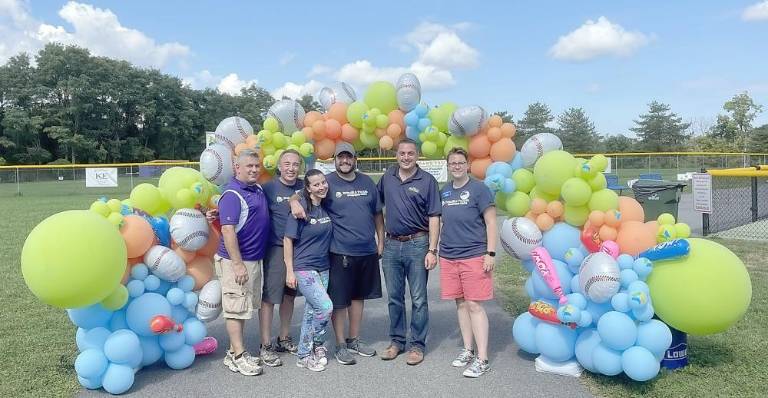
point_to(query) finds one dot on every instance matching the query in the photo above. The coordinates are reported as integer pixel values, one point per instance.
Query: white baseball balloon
(289, 115)
(189, 229)
(408, 91)
(599, 277)
(339, 92)
(232, 131)
(209, 301)
(165, 263)
(467, 120)
(519, 236)
(216, 164)
(539, 144)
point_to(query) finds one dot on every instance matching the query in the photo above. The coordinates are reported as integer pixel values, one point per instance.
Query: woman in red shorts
(467, 250)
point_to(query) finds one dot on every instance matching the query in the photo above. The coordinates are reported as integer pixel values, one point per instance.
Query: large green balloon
(73, 259)
(576, 192)
(501, 201)
(604, 200)
(536, 193)
(146, 197)
(703, 293)
(524, 180)
(518, 203)
(552, 170)
(429, 149)
(440, 115)
(381, 95)
(455, 142)
(355, 113)
(369, 140)
(576, 215)
(598, 182)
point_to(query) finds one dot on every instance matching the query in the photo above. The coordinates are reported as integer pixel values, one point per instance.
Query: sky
(610, 58)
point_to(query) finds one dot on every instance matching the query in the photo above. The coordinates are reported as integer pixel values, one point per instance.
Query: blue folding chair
(651, 176)
(613, 183)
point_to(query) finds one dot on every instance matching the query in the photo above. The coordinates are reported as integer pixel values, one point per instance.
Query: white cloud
(595, 39)
(297, 90)
(319, 70)
(98, 30)
(287, 58)
(756, 12)
(231, 84)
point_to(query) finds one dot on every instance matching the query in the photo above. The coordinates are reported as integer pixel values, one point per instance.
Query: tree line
(69, 106)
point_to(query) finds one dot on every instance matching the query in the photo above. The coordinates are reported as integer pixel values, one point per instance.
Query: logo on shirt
(464, 195)
(462, 201)
(413, 189)
(352, 194)
(338, 194)
(324, 220)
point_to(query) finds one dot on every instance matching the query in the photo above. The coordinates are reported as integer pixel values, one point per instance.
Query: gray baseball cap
(344, 146)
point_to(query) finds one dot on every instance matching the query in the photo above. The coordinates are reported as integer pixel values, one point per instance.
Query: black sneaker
(343, 356)
(357, 346)
(286, 345)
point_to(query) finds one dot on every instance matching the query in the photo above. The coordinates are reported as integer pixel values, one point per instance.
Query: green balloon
(576, 192)
(536, 193)
(576, 215)
(73, 259)
(358, 144)
(552, 170)
(355, 112)
(279, 141)
(604, 200)
(431, 133)
(381, 95)
(518, 203)
(306, 149)
(598, 182)
(146, 197)
(524, 180)
(702, 293)
(102, 209)
(600, 162)
(382, 121)
(501, 201)
(271, 124)
(115, 205)
(455, 142)
(268, 149)
(429, 149)
(440, 115)
(369, 140)
(298, 138)
(442, 139)
(116, 299)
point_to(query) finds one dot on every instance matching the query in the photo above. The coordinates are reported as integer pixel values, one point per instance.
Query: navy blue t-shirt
(463, 234)
(311, 239)
(409, 203)
(278, 195)
(352, 206)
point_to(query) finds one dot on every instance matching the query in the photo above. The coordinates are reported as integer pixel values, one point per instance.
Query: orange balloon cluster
(545, 214)
(625, 226)
(492, 144)
(252, 143)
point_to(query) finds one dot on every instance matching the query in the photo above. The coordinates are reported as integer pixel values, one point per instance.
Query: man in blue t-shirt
(355, 209)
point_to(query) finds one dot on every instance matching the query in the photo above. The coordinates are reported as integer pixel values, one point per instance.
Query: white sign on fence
(100, 177)
(701, 185)
(209, 138)
(326, 167)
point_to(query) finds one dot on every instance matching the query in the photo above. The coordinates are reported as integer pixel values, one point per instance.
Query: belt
(406, 238)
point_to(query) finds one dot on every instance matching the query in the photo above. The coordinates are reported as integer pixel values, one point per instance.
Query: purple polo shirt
(409, 203)
(254, 233)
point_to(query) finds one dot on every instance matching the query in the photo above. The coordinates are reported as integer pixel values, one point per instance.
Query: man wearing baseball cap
(355, 209)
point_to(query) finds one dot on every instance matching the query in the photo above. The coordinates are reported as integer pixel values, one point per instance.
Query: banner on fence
(100, 177)
(209, 138)
(438, 169)
(701, 185)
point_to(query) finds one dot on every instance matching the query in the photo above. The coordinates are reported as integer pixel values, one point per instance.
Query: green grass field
(733, 363)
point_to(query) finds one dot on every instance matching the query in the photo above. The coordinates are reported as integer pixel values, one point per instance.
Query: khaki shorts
(239, 301)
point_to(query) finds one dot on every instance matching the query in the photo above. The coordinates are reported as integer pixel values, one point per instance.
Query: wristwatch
(433, 251)
(492, 254)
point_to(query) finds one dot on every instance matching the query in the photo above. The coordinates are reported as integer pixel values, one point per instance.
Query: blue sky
(609, 57)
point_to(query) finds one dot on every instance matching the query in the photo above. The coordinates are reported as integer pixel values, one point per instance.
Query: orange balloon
(239, 147)
(324, 149)
(597, 218)
(555, 208)
(508, 130)
(338, 112)
(349, 133)
(397, 117)
(635, 237)
(319, 127)
(531, 216)
(538, 206)
(201, 270)
(310, 118)
(544, 221)
(494, 134)
(503, 150)
(308, 132)
(608, 233)
(630, 209)
(480, 146)
(478, 166)
(252, 141)
(613, 218)
(332, 129)
(212, 245)
(394, 130)
(137, 234)
(495, 121)
(135, 260)
(386, 142)
(380, 132)
(653, 227)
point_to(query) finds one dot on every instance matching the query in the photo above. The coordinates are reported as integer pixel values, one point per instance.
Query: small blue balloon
(411, 118)
(643, 314)
(179, 314)
(643, 267)
(95, 338)
(555, 342)
(529, 288)
(151, 283)
(569, 313)
(573, 258)
(172, 341)
(123, 347)
(142, 309)
(560, 238)
(637, 286)
(423, 124)
(528, 265)
(500, 168)
(494, 182)
(575, 284)
(91, 384)
(598, 310)
(139, 271)
(80, 339)
(625, 261)
(655, 336)
(136, 287)
(577, 299)
(626, 277)
(620, 302)
(91, 364)
(639, 364)
(150, 349)
(175, 296)
(586, 319)
(509, 186)
(194, 331)
(421, 110)
(90, 317)
(118, 378)
(517, 161)
(162, 230)
(585, 345)
(190, 300)
(164, 287)
(606, 361)
(181, 358)
(524, 332)
(617, 330)
(118, 321)
(186, 283)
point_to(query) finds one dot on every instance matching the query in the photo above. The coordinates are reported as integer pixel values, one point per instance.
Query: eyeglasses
(457, 164)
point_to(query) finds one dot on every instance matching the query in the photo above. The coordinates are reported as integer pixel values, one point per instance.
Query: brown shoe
(390, 352)
(415, 356)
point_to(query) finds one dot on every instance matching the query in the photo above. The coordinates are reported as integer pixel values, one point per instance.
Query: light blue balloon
(524, 332)
(606, 361)
(569, 313)
(541, 289)
(142, 309)
(172, 341)
(151, 283)
(560, 238)
(620, 302)
(627, 276)
(80, 339)
(186, 283)
(91, 384)
(509, 186)
(164, 287)
(118, 378)
(411, 118)
(175, 296)
(625, 261)
(91, 364)
(412, 133)
(642, 267)
(575, 284)
(123, 347)
(139, 271)
(639, 364)
(586, 319)
(194, 331)
(517, 161)
(190, 300)
(421, 110)
(573, 258)
(655, 336)
(578, 300)
(585, 345)
(643, 314)
(528, 265)
(179, 314)
(136, 288)
(90, 317)
(638, 286)
(500, 168)
(598, 310)
(118, 321)
(494, 182)
(555, 342)
(423, 124)
(529, 288)
(617, 330)
(150, 349)
(95, 338)
(181, 358)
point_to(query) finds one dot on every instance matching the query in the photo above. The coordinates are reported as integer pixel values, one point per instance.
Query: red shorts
(466, 279)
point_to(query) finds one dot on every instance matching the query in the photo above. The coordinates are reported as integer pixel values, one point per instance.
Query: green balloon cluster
(184, 187)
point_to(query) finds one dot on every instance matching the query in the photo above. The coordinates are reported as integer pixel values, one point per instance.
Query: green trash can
(658, 197)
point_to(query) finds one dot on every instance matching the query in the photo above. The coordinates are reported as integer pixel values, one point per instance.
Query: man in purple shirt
(244, 216)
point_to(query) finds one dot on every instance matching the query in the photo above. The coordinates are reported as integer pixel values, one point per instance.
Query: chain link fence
(739, 208)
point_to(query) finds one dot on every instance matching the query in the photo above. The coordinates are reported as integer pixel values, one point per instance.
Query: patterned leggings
(317, 310)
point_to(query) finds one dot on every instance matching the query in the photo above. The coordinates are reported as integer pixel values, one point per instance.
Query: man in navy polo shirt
(245, 227)
(412, 201)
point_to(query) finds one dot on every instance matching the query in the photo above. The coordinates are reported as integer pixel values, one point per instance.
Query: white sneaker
(309, 362)
(321, 354)
(245, 364)
(477, 369)
(465, 357)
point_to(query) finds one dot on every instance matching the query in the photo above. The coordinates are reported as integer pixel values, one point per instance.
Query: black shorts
(353, 278)
(274, 277)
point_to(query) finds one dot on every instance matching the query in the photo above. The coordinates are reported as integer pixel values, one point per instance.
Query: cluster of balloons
(605, 283)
